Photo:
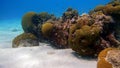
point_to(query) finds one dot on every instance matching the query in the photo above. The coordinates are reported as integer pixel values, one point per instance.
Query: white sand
(42, 57)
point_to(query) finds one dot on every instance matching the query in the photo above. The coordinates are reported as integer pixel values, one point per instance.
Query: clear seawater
(11, 12)
(9, 29)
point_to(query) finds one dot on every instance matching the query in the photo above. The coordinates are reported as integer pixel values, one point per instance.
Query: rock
(28, 43)
(25, 40)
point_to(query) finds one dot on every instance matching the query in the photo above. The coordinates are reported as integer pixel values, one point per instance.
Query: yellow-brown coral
(102, 61)
(46, 29)
(84, 39)
(27, 23)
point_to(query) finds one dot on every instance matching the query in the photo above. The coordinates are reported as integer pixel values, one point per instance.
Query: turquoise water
(12, 11)
(9, 29)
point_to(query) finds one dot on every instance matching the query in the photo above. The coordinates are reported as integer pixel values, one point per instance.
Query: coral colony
(87, 35)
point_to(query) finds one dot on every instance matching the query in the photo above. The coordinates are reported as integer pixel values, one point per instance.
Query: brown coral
(69, 14)
(25, 40)
(27, 23)
(60, 35)
(84, 40)
(46, 29)
(87, 34)
(109, 58)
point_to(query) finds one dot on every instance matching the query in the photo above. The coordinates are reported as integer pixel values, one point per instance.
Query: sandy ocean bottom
(42, 56)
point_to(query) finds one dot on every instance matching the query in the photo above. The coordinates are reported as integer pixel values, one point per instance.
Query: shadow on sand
(84, 57)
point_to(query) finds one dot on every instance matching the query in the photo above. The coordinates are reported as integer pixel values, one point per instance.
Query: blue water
(11, 12)
(9, 29)
(11, 9)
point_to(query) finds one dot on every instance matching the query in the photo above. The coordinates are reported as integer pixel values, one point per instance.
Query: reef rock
(25, 40)
(109, 58)
(87, 34)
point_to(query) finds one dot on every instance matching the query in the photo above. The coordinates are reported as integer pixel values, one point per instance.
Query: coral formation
(27, 23)
(60, 35)
(69, 14)
(109, 9)
(87, 34)
(109, 58)
(47, 28)
(94, 34)
(84, 39)
(31, 21)
(42, 17)
(25, 40)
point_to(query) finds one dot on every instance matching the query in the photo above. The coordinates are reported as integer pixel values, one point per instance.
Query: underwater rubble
(87, 35)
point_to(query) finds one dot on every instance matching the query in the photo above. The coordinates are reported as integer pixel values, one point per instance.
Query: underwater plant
(25, 40)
